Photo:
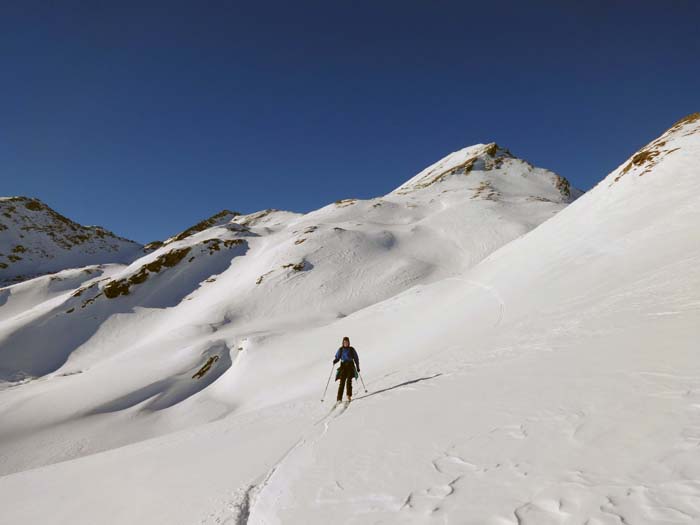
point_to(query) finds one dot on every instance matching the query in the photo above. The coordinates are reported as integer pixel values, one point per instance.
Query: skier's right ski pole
(363, 382)
(327, 383)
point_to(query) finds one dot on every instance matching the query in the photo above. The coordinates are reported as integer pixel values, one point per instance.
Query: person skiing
(349, 362)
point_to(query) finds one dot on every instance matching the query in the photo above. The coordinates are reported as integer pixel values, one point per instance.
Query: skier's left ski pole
(327, 383)
(363, 382)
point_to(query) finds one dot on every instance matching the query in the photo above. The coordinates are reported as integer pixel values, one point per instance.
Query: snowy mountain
(273, 269)
(36, 240)
(525, 361)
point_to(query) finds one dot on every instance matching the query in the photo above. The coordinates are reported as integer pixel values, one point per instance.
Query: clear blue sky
(146, 120)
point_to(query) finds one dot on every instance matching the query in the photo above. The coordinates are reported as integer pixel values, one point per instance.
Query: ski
(342, 407)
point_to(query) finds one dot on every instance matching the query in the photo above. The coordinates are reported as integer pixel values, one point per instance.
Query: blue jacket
(345, 354)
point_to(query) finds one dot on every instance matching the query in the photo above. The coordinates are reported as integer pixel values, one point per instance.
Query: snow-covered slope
(562, 384)
(228, 284)
(36, 240)
(136, 336)
(553, 380)
(273, 269)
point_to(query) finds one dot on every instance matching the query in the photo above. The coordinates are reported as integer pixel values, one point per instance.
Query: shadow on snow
(405, 383)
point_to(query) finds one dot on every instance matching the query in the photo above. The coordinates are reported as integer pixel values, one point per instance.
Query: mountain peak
(223, 217)
(35, 239)
(458, 162)
(485, 163)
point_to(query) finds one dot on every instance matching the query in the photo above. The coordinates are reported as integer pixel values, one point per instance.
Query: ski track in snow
(492, 291)
(247, 504)
(243, 505)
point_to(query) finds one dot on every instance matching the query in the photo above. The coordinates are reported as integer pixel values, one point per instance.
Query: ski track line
(492, 291)
(247, 502)
(251, 494)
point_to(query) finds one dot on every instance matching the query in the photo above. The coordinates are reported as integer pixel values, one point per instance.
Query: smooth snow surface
(544, 378)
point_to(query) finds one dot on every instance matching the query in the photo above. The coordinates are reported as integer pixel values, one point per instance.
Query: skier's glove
(335, 361)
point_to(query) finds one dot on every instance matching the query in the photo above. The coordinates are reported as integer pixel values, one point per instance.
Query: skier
(349, 362)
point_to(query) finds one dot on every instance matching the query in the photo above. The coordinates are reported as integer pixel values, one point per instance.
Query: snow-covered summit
(35, 240)
(493, 171)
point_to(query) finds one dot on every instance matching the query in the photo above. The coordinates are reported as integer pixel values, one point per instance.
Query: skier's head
(346, 341)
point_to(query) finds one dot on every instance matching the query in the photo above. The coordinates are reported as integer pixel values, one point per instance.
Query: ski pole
(363, 382)
(327, 383)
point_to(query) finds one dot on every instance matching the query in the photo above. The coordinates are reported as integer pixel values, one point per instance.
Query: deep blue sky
(148, 119)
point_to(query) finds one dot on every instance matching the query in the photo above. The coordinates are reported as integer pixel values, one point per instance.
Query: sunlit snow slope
(553, 380)
(135, 337)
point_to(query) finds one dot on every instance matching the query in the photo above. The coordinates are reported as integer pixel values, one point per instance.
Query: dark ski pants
(347, 373)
